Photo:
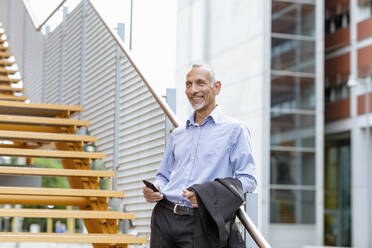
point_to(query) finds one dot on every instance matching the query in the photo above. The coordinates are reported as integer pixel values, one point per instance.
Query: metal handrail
(33, 19)
(50, 16)
(252, 229)
(167, 110)
(242, 215)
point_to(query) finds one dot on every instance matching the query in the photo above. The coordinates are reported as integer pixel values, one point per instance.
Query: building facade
(348, 70)
(296, 72)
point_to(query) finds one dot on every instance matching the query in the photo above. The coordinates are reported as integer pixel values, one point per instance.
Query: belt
(176, 209)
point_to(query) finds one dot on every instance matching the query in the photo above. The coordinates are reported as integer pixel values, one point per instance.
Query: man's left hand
(190, 195)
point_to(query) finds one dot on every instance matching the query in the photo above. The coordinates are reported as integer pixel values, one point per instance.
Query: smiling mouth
(197, 98)
(197, 102)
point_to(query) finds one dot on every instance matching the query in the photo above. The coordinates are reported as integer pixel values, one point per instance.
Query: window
(292, 18)
(292, 168)
(337, 92)
(337, 191)
(292, 206)
(292, 129)
(364, 10)
(291, 92)
(292, 55)
(292, 122)
(337, 22)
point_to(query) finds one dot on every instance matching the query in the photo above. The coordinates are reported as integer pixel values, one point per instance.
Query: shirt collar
(215, 116)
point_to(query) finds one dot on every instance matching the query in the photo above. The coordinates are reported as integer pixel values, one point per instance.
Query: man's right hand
(150, 195)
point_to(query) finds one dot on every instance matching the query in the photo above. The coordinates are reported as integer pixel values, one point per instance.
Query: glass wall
(292, 140)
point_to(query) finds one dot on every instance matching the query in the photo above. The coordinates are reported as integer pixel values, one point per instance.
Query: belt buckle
(175, 209)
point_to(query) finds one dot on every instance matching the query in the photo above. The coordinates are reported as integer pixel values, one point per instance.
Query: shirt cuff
(158, 182)
(249, 183)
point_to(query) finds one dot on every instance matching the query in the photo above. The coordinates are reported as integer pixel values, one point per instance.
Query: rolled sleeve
(242, 160)
(162, 176)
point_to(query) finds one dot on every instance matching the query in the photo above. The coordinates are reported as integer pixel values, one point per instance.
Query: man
(211, 145)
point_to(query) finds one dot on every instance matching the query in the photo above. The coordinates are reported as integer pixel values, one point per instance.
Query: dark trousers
(169, 230)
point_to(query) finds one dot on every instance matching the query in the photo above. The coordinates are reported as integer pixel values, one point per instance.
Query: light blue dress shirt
(197, 154)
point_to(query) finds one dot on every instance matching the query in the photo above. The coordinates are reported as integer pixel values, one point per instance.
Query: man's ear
(217, 87)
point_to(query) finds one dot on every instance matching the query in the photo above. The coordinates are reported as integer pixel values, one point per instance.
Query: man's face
(198, 90)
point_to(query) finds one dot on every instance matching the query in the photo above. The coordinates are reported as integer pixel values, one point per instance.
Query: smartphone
(150, 185)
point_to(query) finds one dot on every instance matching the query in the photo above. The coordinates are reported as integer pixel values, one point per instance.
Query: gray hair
(209, 68)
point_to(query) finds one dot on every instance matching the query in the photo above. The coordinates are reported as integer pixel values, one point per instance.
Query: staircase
(35, 130)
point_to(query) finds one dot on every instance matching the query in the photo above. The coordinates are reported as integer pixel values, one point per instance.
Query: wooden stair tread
(42, 121)
(59, 192)
(71, 238)
(59, 213)
(18, 152)
(45, 137)
(7, 79)
(12, 97)
(38, 109)
(10, 89)
(27, 171)
(53, 124)
(22, 145)
(5, 54)
(6, 63)
(3, 70)
(80, 201)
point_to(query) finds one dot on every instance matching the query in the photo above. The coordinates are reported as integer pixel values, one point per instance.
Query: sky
(153, 33)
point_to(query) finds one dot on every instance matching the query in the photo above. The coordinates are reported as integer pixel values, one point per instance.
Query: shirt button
(192, 158)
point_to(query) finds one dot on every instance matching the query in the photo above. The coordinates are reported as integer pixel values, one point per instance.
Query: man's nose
(194, 88)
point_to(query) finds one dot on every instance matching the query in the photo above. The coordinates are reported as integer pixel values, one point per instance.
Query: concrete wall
(208, 33)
